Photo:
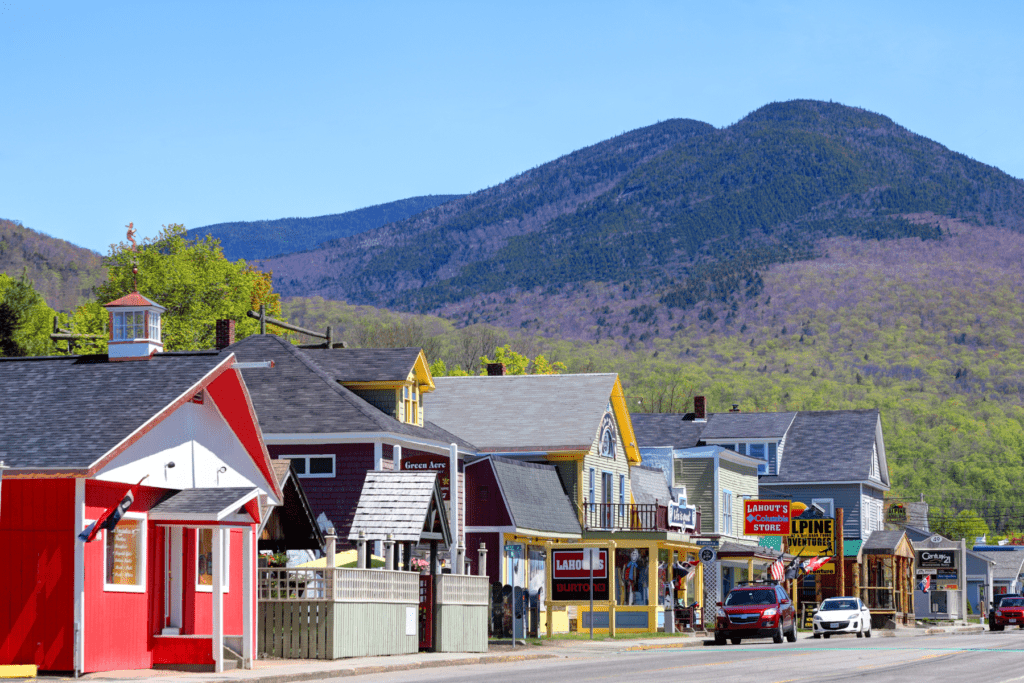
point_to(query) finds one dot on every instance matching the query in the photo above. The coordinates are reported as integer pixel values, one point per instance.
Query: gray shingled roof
(522, 412)
(535, 497)
(828, 445)
(882, 542)
(666, 429)
(208, 503)
(365, 365)
(747, 426)
(1007, 562)
(649, 485)
(69, 411)
(297, 396)
(397, 503)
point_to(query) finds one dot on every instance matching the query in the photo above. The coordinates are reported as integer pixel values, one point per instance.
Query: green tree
(520, 364)
(25, 319)
(195, 283)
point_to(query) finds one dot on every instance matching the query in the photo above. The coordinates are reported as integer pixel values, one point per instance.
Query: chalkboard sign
(808, 620)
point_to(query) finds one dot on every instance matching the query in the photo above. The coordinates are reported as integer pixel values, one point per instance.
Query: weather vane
(135, 262)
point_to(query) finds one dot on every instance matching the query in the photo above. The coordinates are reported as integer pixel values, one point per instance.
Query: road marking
(909, 661)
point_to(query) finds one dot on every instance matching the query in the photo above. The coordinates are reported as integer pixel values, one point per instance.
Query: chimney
(700, 408)
(495, 369)
(735, 408)
(225, 334)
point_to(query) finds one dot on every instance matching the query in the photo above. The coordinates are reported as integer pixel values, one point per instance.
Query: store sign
(896, 514)
(571, 574)
(431, 463)
(766, 518)
(812, 537)
(708, 555)
(682, 516)
(938, 559)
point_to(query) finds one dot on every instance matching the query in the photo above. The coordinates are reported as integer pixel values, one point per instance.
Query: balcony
(624, 517)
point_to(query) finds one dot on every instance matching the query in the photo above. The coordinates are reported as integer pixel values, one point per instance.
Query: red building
(172, 582)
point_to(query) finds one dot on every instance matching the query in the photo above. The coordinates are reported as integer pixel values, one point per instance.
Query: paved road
(997, 657)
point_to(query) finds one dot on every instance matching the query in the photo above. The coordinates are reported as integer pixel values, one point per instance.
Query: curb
(688, 642)
(345, 671)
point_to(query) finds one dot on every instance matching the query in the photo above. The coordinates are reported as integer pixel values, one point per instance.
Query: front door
(173, 575)
(606, 500)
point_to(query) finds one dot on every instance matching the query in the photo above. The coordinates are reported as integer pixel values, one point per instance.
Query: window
(124, 556)
(129, 325)
(741, 448)
(622, 495)
(204, 559)
(826, 504)
(312, 466)
(758, 450)
(727, 512)
(154, 325)
(773, 458)
(410, 404)
(592, 499)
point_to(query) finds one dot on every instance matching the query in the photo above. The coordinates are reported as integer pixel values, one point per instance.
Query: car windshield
(830, 605)
(1012, 602)
(751, 597)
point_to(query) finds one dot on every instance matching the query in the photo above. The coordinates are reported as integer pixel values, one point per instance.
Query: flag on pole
(814, 564)
(778, 570)
(926, 584)
(109, 519)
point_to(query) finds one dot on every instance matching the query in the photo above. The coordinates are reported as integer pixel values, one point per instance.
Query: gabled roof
(68, 412)
(297, 527)
(1008, 563)
(297, 396)
(831, 446)
(648, 485)
(747, 426)
(527, 413)
(666, 429)
(206, 505)
(407, 505)
(366, 365)
(534, 496)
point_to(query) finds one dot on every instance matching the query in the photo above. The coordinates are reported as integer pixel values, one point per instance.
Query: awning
(224, 506)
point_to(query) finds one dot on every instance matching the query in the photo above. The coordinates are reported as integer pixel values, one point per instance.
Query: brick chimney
(495, 369)
(700, 408)
(225, 334)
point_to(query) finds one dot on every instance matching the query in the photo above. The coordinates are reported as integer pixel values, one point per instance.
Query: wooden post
(330, 337)
(263, 319)
(840, 557)
(548, 618)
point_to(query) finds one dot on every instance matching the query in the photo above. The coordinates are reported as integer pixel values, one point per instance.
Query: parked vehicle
(1009, 613)
(996, 603)
(842, 615)
(756, 610)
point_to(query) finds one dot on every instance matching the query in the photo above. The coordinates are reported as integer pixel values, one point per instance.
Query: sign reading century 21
(766, 517)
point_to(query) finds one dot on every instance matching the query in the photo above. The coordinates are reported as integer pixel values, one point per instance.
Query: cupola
(134, 328)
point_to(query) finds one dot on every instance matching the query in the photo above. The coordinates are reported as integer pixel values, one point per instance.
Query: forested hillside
(687, 211)
(61, 272)
(261, 239)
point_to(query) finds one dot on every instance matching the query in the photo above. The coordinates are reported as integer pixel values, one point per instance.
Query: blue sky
(204, 112)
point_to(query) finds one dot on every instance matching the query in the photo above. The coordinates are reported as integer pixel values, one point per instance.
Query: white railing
(281, 584)
(462, 589)
(376, 585)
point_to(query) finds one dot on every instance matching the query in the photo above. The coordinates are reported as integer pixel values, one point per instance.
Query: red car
(1009, 613)
(761, 610)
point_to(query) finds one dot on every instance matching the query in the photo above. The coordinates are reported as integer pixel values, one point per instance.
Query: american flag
(778, 570)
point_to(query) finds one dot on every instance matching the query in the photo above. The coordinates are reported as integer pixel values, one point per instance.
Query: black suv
(756, 610)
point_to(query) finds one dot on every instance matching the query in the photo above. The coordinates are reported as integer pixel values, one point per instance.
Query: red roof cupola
(134, 328)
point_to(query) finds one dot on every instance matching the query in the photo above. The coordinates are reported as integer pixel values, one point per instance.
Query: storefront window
(204, 559)
(631, 576)
(125, 556)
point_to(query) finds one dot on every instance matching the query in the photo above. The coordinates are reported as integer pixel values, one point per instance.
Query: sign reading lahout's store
(766, 518)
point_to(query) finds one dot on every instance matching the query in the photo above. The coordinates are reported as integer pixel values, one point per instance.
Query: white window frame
(727, 527)
(141, 570)
(826, 504)
(121, 326)
(622, 496)
(306, 458)
(225, 553)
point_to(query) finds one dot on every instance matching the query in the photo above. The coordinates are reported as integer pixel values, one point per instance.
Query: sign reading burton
(571, 572)
(766, 517)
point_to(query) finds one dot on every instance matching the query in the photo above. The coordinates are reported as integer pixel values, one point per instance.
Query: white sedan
(842, 615)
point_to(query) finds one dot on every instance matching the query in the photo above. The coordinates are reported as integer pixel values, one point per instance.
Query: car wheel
(791, 636)
(735, 641)
(816, 635)
(777, 638)
(826, 636)
(719, 638)
(867, 634)
(860, 633)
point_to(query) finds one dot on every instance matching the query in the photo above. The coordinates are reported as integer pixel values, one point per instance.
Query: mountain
(61, 272)
(679, 209)
(263, 239)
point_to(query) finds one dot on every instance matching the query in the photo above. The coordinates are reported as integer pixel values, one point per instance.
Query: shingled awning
(208, 506)
(407, 505)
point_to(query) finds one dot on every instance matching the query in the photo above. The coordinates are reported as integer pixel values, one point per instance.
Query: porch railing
(349, 585)
(625, 516)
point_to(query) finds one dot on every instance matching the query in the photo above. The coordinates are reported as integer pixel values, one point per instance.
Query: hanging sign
(896, 514)
(812, 537)
(682, 516)
(571, 574)
(765, 517)
(708, 555)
